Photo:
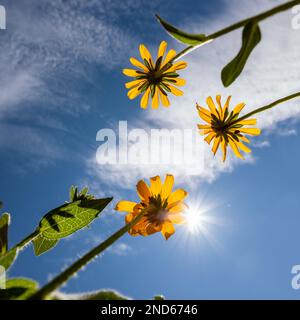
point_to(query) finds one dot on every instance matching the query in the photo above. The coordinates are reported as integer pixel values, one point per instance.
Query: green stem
(26, 241)
(88, 257)
(269, 106)
(240, 24)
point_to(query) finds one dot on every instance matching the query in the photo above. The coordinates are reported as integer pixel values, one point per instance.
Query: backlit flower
(161, 206)
(155, 79)
(224, 128)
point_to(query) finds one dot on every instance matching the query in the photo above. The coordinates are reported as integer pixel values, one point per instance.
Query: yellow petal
(224, 149)
(170, 55)
(209, 138)
(211, 105)
(180, 207)
(207, 131)
(167, 230)
(243, 147)
(164, 99)
(175, 91)
(244, 139)
(138, 64)
(127, 206)
(134, 83)
(203, 126)
(220, 109)
(176, 196)
(216, 145)
(143, 190)
(178, 81)
(162, 49)
(248, 122)
(167, 186)
(133, 93)
(177, 218)
(239, 108)
(204, 114)
(177, 66)
(155, 185)
(145, 54)
(145, 99)
(252, 131)
(129, 217)
(131, 73)
(226, 105)
(235, 149)
(155, 100)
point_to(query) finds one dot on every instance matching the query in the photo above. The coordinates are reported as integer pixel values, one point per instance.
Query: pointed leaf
(4, 224)
(8, 258)
(42, 244)
(251, 37)
(70, 217)
(182, 36)
(18, 289)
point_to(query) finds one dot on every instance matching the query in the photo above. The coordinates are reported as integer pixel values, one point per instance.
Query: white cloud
(271, 73)
(45, 50)
(120, 249)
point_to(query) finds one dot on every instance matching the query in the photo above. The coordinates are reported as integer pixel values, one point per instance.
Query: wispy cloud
(47, 48)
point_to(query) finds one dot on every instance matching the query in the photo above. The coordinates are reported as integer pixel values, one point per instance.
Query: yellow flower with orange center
(225, 128)
(155, 79)
(161, 207)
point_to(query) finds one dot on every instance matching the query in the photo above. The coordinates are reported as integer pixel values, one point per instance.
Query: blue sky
(61, 82)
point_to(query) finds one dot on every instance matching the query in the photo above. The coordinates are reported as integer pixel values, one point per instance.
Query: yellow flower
(162, 208)
(224, 127)
(155, 79)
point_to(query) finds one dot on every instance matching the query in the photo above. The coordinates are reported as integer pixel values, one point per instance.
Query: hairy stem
(240, 24)
(269, 106)
(88, 257)
(26, 241)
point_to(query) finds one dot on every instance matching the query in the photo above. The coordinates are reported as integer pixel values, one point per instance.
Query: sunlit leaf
(70, 217)
(18, 289)
(182, 36)
(4, 224)
(251, 37)
(42, 244)
(82, 195)
(8, 258)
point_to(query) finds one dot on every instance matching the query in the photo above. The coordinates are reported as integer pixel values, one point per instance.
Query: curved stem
(26, 241)
(240, 24)
(268, 106)
(88, 257)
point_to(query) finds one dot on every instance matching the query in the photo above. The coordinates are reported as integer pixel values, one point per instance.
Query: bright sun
(194, 221)
(198, 219)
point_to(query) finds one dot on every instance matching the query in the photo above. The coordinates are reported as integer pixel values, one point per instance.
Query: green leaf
(97, 295)
(18, 289)
(181, 36)
(251, 37)
(70, 217)
(42, 244)
(8, 258)
(159, 297)
(73, 193)
(83, 194)
(4, 224)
